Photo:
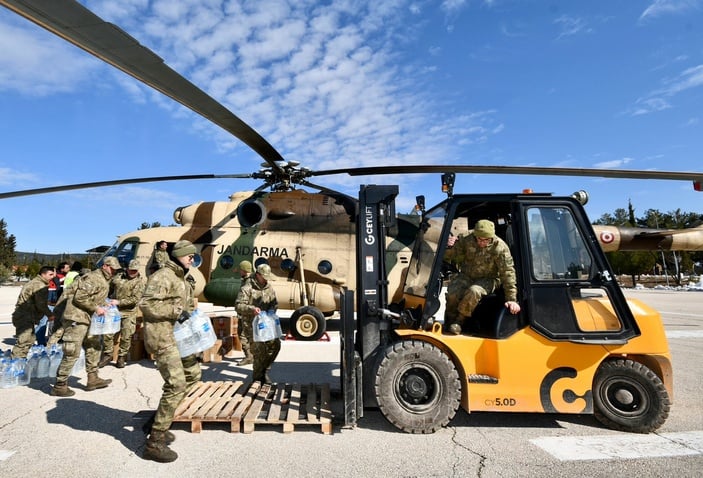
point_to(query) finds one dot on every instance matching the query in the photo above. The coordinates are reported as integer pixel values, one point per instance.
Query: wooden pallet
(212, 402)
(235, 402)
(290, 405)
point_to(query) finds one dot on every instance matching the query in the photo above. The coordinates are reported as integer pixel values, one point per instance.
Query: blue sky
(604, 84)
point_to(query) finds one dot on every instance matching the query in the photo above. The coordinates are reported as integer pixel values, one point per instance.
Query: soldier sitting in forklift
(485, 267)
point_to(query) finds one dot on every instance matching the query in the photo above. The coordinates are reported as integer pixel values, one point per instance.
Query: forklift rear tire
(629, 397)
(307, 323)
(417, 386)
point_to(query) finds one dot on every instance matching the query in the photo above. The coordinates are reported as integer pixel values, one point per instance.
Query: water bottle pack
(110, 323)
(41, 362)
(267, 326)
(195, 334)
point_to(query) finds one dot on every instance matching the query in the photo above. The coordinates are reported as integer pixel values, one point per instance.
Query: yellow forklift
(577, 346)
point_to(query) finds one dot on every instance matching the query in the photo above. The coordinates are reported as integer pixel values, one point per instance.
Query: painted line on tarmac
(5, 454)
(607, 447)
(684, 334)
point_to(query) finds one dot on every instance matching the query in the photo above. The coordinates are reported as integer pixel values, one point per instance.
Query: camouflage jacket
(90, 293)
(128, 291)
(252, 295)
(161, 257)
(491, 262)
(32, 303)
(167, 294)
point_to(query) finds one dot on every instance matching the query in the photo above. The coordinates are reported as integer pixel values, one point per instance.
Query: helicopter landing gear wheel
(629, 397)
(417, 387)
(307, 323)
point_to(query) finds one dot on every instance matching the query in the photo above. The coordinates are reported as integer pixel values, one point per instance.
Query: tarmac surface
(98, 434)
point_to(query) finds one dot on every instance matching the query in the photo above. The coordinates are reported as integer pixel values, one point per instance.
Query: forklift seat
(492, 320)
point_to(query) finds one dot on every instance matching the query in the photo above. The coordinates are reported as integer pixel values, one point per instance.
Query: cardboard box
(214, 353)
(225, 326)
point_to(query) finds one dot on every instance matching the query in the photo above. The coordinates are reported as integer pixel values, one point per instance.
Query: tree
(7, 246)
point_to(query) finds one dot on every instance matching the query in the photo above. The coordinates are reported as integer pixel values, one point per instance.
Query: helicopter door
(572, 293)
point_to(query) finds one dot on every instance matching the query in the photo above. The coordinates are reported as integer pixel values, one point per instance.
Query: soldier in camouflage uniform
(168, 297)
(246, 333)
(90, 297)
(254, 296)
(32, 305)
(485, 263)
(128, 289)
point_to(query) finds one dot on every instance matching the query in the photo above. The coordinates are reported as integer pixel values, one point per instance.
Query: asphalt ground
(97, 434)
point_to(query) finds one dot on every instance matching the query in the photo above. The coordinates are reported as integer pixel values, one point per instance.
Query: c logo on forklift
(568, 395)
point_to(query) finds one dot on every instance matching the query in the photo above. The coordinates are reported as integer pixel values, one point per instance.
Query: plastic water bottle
(113, 320)
(202, 327)
(33, 362)
(79, 366)
(185, 341)
(55, 356)
(43, 366)
(277, 322)
(23, 372)
(7, 379)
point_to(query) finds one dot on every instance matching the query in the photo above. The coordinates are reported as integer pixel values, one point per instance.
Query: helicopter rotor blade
(98, 184)
(73, 22)
(533, 170)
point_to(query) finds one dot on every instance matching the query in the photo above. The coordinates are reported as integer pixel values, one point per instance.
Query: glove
(183, 317)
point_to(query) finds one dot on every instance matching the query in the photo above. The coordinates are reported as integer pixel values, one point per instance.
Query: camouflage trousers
(180, 375)
(463, 295)
(264, 355)
(24, 331)
(128, 326)
(246, 335)
(109, 343)
(75, 337)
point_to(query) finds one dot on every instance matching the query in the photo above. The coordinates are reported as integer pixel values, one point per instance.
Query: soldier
(128, 289)
(246, 333)
(168, 297)
(161, 254)
(89, 297)
(485, 263)
(32, 305)
(254, 296)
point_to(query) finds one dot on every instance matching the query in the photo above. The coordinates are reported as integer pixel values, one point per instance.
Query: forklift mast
(360, 344)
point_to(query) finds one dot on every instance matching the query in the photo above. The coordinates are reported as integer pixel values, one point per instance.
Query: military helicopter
(307, 237)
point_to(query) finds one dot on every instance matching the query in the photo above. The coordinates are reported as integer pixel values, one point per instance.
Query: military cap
(112, 262)
(485, 229)
(134, 265)
(246, 266)
(264, 270)
(183, 248)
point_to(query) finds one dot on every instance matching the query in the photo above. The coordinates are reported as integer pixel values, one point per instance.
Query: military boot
(61, 390)
(106, 359)
(95, 382)
(248, 360)
(121, 361)
(157, 449)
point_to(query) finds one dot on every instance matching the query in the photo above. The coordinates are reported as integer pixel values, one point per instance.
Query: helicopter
(307, 237)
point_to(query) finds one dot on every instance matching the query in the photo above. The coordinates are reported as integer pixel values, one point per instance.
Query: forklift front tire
(417, 386)
(629, 397)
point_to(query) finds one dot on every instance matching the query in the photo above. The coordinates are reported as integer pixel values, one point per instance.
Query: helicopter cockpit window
(324, 267)
(420, 267)
(557, 248)
(124, 251)
(226, 262)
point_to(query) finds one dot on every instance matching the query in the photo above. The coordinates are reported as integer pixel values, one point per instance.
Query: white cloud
(669, 7)
(12, 177)
(570, 26)
(25, 57)
(613, 164)
(659, 99)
